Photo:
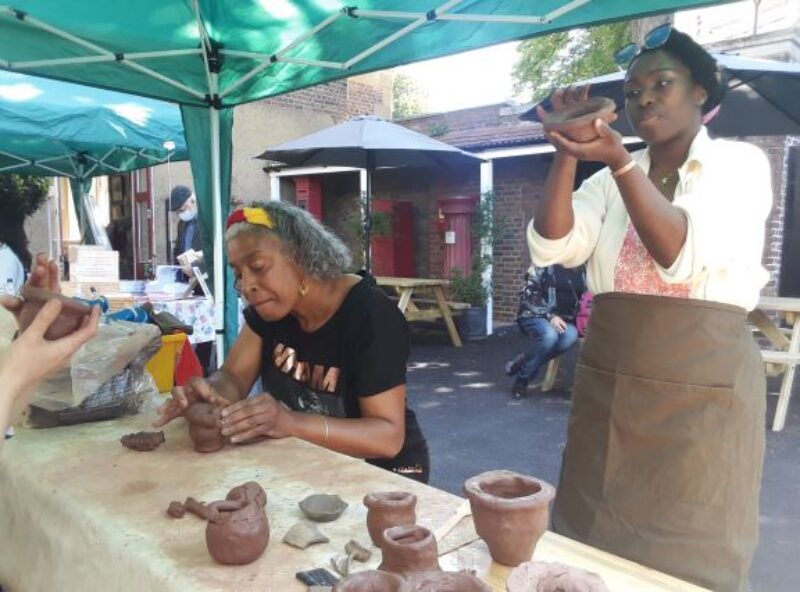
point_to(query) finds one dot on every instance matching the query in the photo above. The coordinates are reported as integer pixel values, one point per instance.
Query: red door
(142, 202)
(457, 213)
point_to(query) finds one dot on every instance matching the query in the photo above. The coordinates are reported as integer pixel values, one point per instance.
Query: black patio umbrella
(762, 98)
(368, 143)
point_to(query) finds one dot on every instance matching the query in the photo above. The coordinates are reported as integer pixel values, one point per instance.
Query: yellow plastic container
(162, 365)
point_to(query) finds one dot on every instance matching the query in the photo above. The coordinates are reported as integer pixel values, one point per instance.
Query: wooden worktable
(80, 512)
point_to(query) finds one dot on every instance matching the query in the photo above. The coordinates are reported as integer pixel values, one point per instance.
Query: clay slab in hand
(69, 320)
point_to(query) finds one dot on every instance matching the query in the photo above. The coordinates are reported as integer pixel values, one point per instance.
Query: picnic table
(415, 309)
(80, 512)
(786, 343)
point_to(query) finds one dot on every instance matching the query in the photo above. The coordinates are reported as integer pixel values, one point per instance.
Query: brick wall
(328, 98)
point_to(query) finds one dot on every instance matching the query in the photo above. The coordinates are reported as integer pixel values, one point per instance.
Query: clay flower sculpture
(204, 427)
(240, 533)
(69, 320)
(387, 509)
(370, 581)
(543, 576)
(576, 121)
(510, 512)
(143, 441)
(408, 549)
(444, 581)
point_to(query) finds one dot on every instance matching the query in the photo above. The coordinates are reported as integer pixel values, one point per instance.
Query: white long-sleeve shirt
(10, 269)
(725, 191)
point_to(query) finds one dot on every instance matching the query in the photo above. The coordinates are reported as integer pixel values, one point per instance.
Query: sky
(470, 79)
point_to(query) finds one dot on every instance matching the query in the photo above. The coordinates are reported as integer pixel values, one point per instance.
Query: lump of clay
(387, 509)
(443, 581)
(576, 121)
(408, 549)
(370, 581)
(176, 510)
(69, 319)
(240, 533)
(143, 441)
(303, 535)
(543, 576)
(323, 507)
(204, 427)
(510, 512)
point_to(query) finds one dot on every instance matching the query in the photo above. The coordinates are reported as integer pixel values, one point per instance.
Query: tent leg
(219, 271)
(487, 186)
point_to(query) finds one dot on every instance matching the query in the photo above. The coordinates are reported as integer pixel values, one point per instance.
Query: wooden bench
(552, 370)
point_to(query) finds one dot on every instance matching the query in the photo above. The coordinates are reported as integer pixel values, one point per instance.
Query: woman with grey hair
(331, 349)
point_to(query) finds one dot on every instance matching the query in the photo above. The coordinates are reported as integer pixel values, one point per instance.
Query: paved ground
(462, 399)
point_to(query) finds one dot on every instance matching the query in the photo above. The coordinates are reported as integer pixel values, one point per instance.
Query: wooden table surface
(83, 513)
(399, 282)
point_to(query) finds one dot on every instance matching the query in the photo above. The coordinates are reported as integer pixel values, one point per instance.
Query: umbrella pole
(219, 271)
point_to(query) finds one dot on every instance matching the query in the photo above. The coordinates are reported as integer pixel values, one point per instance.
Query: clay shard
(176, 510)
(341, 564)
(69, 319)
(323, 507)
(408, 549)
(204, 427)
(143, 441)
(304, 534)
(239, 536)
(443, 581)
(358, 551)
(370, 581)
(544, 576)
(576, 121)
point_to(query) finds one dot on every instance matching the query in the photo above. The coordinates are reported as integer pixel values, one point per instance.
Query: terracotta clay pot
(239, 533)
(576, 121)
(443, 581)
(370, 581)
(387, 509)
(408, 549)
(510, 511)
(69, 319)
(204, 427)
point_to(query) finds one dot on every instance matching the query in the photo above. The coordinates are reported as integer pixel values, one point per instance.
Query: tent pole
(219, 271)
(487, 187)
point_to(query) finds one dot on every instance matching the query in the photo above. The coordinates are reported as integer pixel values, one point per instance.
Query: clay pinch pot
(386, 509)
(240, 532)
(72, 313)
(323, 507)
(408, 549)
(444, 581)
(204, 427)
(576, 121)
(510, 511)
(544, 576)
(370, 581)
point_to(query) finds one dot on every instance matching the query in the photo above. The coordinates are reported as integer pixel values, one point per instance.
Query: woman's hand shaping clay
(256, 417)
(194, 391)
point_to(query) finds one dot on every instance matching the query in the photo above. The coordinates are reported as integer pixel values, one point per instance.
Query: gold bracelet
(327, 432)
(622, 170)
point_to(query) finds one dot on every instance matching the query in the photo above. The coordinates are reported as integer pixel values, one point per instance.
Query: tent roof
(170, 49)
(55, 128)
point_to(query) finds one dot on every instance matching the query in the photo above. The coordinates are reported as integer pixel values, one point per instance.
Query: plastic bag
(107, 372)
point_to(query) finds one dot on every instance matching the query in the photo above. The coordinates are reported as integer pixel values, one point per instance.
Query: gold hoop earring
(303, 289)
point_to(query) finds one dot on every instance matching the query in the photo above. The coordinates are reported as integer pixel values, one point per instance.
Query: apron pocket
(669, 439)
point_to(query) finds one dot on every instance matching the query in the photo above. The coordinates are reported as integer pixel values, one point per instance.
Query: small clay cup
(370, 581)
(576, 121)
(510, 511)
(323, 507)
(204, 427)
(408, 549)
(69, 319)
(387, 509)
(443, 581)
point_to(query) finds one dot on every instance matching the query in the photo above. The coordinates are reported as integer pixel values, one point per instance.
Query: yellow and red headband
(257, 216)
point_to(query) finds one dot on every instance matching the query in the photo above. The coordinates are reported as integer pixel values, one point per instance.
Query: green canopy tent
(210, 55)
(52, 128)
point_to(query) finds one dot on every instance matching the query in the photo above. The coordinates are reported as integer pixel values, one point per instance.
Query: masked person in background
(189, 243)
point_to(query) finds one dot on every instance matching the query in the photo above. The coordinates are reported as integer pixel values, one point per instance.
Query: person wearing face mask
(330, 347)
(189, 242)
(665, 443)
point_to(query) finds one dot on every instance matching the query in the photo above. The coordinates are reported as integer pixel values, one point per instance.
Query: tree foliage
(408, 99)
(545, 63)
(22, 195)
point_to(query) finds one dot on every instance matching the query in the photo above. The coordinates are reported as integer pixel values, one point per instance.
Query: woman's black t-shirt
(360, 351)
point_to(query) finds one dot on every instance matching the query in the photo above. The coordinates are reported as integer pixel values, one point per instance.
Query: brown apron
(666, 438)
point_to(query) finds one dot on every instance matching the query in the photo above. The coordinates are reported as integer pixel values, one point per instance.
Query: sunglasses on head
(655, 38)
